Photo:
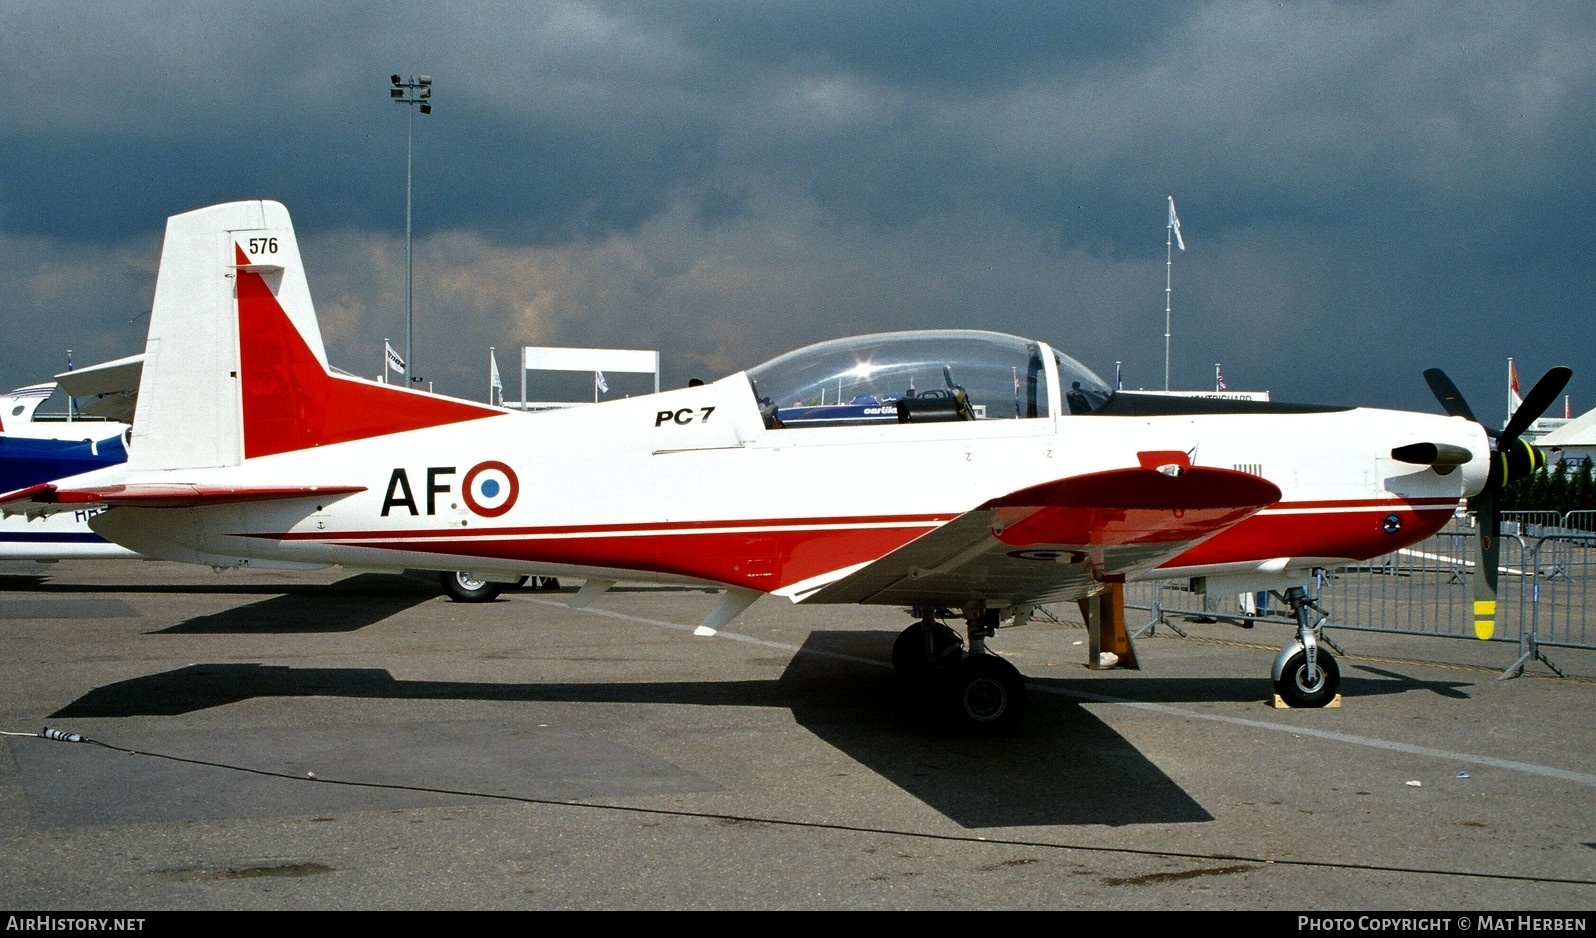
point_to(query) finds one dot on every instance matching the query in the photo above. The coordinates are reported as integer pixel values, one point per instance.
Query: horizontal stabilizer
(24, 496)
(47, 499)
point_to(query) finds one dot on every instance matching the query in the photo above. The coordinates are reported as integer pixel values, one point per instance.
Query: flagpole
(1169, 267)
(1173, 238)
(492, 365)
(384, 371)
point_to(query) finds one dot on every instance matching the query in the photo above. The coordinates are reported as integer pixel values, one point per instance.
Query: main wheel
(465, 587)
(985, 694)
(914, 661)
(1299, 692)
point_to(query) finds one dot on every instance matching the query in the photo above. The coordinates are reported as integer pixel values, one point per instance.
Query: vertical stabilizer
(234, 367)
(189, 405)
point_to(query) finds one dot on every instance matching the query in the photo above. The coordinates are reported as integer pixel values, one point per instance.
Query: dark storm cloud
(1367, 188)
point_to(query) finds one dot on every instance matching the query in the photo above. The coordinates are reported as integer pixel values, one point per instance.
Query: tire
(985, 695)
(465, 587)
(909, 657)
(1298, 693)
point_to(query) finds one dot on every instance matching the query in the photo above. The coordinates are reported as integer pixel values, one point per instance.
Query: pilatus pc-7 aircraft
(959, 474)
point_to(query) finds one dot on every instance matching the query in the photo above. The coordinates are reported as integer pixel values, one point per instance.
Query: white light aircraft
(958, 473)
(34, 450)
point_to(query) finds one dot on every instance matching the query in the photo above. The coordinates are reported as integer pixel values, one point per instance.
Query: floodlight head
(425, 80)
(396, 93)
(394, 79)
(426, 109)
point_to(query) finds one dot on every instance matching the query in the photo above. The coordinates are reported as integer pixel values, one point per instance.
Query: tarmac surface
(333, 740)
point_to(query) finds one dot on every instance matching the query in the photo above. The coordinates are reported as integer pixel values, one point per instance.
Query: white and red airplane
(953, 472)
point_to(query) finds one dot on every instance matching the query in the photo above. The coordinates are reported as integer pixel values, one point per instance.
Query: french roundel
(490, 489)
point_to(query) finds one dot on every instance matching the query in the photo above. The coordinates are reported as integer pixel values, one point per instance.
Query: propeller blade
(1511, 459)
(1486, 563)
(1540, 397)
(1447, 393)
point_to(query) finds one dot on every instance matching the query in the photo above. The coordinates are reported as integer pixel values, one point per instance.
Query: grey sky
(1366, 189)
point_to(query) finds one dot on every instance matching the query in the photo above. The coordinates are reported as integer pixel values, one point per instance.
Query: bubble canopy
(923, 376)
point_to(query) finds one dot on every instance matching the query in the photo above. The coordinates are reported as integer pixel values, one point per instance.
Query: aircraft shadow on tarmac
(220, 585)
(350, 604)
(1062, 766)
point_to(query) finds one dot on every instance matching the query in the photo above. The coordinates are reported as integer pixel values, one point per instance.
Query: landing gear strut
(976, 690)
(1305, 673)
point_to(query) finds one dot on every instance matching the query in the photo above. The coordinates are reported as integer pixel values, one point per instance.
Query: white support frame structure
(556, 358)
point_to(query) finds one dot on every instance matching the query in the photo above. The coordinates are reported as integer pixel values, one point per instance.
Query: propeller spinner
(1511, 459)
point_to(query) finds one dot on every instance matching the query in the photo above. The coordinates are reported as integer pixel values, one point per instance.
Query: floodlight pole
(415, 92)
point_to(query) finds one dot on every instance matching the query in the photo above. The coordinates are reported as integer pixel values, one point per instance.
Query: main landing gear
(975, 690)
(1305, 673)
(463, 586)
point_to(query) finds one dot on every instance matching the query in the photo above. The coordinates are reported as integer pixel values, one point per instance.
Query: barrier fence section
(1545, 581)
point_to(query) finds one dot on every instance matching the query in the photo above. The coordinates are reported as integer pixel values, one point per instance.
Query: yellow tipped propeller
(1511, 459)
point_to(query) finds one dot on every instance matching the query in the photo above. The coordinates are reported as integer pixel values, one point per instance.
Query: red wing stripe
(642, 528)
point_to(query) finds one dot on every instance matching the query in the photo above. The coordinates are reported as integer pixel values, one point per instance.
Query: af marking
(400, 495)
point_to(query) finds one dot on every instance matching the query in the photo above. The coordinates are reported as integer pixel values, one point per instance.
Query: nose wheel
(1302, 686)
(1306, 675)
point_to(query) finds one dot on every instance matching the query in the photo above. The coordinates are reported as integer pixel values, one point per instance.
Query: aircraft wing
(1057, 540)
(46, 498)
(109, 390)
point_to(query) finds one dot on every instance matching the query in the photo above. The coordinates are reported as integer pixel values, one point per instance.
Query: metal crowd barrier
(1546, 590)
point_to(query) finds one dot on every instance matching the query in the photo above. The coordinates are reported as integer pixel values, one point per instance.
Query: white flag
(496, 386)
(598, 379)
(1174, 224)
(395, 363)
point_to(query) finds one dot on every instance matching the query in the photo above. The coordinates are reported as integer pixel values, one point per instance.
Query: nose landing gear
(1305, 673)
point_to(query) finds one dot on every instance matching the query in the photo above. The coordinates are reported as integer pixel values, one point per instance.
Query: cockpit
(921, 377)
